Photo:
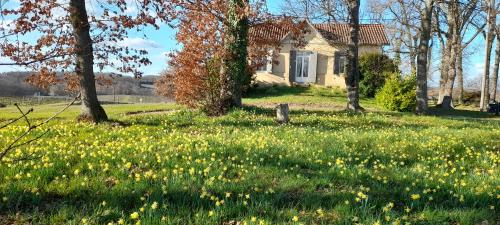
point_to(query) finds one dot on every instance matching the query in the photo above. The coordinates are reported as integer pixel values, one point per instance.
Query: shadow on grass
(335, 120)
(311, 119)
(327, 190)
(459, 113)
(275, 91)
(315, 122)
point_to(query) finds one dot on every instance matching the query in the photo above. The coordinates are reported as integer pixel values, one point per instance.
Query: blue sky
(160, 42)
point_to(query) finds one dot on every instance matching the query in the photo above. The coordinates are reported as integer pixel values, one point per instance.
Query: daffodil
(134, 215)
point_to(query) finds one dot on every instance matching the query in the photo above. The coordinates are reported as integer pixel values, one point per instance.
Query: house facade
(323, 58)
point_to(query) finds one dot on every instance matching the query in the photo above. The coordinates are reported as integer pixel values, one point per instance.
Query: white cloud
(139, 43)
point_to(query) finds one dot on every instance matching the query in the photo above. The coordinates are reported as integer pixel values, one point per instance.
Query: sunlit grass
(181, 167)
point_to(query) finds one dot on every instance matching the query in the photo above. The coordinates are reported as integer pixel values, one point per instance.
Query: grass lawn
(176, 166)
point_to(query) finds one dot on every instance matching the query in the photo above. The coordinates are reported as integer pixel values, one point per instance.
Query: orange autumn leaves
(41, 39)
(200, 70)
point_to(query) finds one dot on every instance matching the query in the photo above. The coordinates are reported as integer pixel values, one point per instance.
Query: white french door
(305, 69)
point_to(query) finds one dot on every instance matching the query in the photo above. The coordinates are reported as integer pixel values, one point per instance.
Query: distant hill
(14, 84)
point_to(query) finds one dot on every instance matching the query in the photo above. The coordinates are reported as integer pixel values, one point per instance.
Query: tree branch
(15, 144)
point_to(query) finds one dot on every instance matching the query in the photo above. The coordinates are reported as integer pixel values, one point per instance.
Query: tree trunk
(445, 61)
(234, 65)
(241, 57)
(460, 74)
(407, 31)
(423, 47)
(452, 63)
(489, 42)
(494, 80)
(397, 50)
(352, 69)
(91, 109)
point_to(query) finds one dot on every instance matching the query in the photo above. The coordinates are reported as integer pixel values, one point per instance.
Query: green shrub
(398, 94)
(374, 69)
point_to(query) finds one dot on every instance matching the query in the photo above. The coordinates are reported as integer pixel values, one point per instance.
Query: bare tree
(316, 10)
(352, 69)
(402, 21)
(460, 57)
(459, 16)
(494, 80)
(335, 11)
(489, 42)
(423, 48)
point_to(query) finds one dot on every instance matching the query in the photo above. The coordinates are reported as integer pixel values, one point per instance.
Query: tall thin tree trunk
(352, 78)
(423, 47)
(460, 74)
(485, 95)
(407, 31)
(91, 109)
(429, 58)
(494, 80)
(397, 50)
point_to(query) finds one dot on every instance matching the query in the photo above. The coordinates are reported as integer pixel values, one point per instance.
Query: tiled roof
(268, 32)
(335, 33)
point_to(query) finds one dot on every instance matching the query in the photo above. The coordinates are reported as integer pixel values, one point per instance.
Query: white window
(340, 63)
(302, 67)
(305, 67)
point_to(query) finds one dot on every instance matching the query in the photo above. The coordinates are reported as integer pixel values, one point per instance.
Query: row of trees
(451, 27)
(417, 29)
(77, 36)
(219, 56)
(212, 67)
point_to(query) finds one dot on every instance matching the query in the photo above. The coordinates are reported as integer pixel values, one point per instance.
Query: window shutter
(313, 64)
(293, 64)
(336, 64)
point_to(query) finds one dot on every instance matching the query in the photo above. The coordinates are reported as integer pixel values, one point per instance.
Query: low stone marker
(282, 113)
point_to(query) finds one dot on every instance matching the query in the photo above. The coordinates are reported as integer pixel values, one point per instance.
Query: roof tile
(335, 33)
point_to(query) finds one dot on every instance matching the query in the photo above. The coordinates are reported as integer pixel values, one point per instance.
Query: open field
(176, 166)
(44, 100)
